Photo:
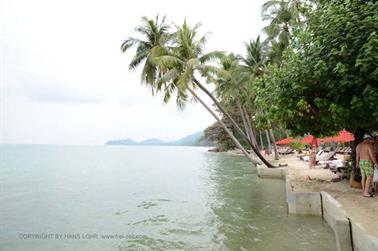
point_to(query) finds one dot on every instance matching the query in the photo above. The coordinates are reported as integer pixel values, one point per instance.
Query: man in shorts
(366, 161)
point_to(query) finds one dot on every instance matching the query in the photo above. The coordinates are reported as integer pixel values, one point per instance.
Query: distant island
(196, 139)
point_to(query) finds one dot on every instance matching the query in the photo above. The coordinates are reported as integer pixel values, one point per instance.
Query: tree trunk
(261, 141)
(237, 143)
(220, 108)
(243, 119)
(268, 140)
(276, 155)
(255, 133)
(250, 128)
(245, 137)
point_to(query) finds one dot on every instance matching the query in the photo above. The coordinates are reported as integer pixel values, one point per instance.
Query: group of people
(367, 162)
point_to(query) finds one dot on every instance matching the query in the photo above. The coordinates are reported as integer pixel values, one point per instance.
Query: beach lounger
(337, 163)
(338, 149)
(326, 156)
(348, 150)
(288, 150)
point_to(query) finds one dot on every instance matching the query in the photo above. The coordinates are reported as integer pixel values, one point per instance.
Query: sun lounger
(325, 156)
(282, 150)
(289, 150)
(348, 150)
(285, 150)
(338, 149)
(327, 149)
(337, 163)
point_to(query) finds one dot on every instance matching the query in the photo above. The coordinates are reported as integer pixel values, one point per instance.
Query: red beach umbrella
(285, 141)
(327, 139)
(309, 139)
(344, 136)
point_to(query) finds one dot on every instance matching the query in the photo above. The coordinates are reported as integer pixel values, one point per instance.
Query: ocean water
(115, 198)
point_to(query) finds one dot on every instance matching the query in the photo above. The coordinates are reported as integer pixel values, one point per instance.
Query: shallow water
(144, 198)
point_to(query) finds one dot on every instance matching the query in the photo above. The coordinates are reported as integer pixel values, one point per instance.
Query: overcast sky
(64, 79)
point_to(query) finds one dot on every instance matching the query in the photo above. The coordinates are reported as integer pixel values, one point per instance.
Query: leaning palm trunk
(268, 140)
(245, 123)
(255, 133)
(261, 140)
(252, 133)
(237, 143)
(245, 137)
(276, 155)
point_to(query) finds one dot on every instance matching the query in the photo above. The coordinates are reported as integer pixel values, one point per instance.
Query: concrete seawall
(349, 235)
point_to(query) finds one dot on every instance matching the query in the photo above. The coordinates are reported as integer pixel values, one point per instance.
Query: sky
(64, 80)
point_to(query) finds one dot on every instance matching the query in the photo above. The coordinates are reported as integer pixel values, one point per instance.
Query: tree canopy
(328, 77)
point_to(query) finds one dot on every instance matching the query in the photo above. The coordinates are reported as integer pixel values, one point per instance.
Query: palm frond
(168, 61)
(129, 43)
(148, 74)
(167, 77)
(137, 59)
(213, 55)
(181, 99)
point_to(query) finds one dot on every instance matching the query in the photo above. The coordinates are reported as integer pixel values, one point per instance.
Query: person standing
(312, 159)
(366, 161)
(313, 152)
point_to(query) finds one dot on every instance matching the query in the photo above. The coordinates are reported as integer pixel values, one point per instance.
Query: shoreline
(307, 190)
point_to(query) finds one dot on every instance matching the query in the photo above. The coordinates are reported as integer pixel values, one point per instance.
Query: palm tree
(255, 58)
(231, 89)
(153, 43)
(282, 15)
(255, 62)
(171, 62)
(154, 46)
(183, 61)
(185, 57)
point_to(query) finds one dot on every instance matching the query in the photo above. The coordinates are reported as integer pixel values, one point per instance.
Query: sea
(116, 198)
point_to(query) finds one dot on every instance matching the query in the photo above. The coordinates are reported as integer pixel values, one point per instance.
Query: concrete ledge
(302, 203)
(336, 218)
(272, 173)
(362, 241)
(349, 235)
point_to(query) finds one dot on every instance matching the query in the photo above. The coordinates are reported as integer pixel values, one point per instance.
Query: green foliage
(296, 145)
(283, 17)
(154, 35)
(215, 133)
(182, 60)
(328, 78)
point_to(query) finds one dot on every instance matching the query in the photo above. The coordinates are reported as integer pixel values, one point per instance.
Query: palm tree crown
(282, 15)
(182, 61)
(154, 39)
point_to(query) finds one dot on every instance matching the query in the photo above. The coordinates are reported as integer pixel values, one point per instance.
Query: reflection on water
(145, 198)
(250, 213)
